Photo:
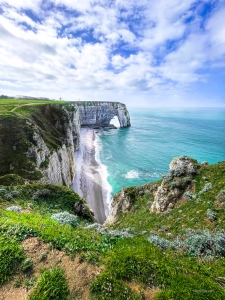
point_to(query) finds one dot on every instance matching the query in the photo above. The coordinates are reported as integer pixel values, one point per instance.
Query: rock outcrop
(176, 187)
(101, 113)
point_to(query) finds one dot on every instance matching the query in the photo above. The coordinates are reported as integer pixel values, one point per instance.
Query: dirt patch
(147, 294)
(79, 274)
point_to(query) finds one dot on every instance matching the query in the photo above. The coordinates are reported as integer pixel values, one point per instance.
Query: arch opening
(115, 121)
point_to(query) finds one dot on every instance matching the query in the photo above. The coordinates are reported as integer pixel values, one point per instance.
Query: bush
(41, 193)
(204, 244)
(189, 195)
(206, 188)
(65, 218)
(14, 208)
(52, 285)
(3, 191)
(26, 264)
(211, 215)
(159, 242)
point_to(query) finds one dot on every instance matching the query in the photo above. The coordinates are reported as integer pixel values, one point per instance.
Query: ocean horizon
(142, 153)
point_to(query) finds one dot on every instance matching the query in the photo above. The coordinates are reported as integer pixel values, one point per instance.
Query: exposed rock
(57, 166)
(81, 209)
(183, 166)
(180, 189)
(101, 113)
(121, 202)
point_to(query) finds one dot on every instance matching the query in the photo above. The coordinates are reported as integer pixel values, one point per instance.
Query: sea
(142, 153)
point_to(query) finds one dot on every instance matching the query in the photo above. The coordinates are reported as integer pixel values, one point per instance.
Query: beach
(90, 181)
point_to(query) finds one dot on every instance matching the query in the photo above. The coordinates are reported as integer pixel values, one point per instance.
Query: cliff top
(176, 253)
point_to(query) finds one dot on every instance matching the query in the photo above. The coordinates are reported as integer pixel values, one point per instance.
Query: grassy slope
(17, 118)
(134, 268)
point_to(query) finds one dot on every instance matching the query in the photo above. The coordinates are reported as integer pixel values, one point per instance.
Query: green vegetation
(22, 122)
(51, 285)
(11, 255)
(179, 253)
(139, 261)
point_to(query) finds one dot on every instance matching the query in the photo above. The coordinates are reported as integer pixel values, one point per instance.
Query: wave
(132, 174)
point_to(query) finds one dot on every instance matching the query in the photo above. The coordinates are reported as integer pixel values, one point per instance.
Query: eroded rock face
(57, 166)
(183, 166)
(121, 202)
(101, 113)
(176, 185)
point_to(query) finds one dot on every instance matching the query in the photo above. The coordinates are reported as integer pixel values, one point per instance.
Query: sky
(149, 53)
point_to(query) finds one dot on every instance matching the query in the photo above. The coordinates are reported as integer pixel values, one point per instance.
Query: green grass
(90, 244)
(44, 199)
(137, 260)
(11, 255)
(51, 285)
(189, 215)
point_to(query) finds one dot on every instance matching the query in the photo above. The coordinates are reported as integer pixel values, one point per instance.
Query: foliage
(14, 208)
(65, 218)
(11, 254)
(11, 179)
(137, 260)
(203, 243)
(26, 264)
(161, 243)
(52, 285)
(206, 188)
(211, 215)
(107, 287)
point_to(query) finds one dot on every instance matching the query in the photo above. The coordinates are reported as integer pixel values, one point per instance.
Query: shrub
(26, 264)
(65, 218)
(206, 188)
(189, 195)
(3, 191)
(161, 243)
(14, 208)
(52, 285)
(40, 193)
(211, 215)
(8, 197)
(204, 244)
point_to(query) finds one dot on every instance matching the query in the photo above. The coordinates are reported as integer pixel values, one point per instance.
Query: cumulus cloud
(82, 47)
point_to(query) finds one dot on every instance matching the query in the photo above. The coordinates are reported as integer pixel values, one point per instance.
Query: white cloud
(145, 47)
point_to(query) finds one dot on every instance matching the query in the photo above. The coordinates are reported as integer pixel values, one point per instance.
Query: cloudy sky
(143, 53)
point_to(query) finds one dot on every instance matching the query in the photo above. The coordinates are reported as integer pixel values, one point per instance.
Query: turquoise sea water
(142, 153)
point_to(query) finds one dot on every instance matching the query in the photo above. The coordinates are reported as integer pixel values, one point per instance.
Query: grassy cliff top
(177, 254)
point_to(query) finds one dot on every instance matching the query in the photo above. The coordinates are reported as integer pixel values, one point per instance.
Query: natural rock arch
(101, 113)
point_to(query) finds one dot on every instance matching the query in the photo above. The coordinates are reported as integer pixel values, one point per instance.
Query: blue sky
(152, 53)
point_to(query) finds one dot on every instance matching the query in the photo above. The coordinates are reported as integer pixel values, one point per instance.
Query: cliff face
(39, 144)
(175, 188)
(101, 113)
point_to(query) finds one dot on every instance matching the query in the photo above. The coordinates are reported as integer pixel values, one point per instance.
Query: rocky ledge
(176, 187)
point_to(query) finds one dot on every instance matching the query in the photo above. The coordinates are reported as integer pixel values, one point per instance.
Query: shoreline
(90, 180)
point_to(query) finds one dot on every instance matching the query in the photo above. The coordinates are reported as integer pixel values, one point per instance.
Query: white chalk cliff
(57, 165)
